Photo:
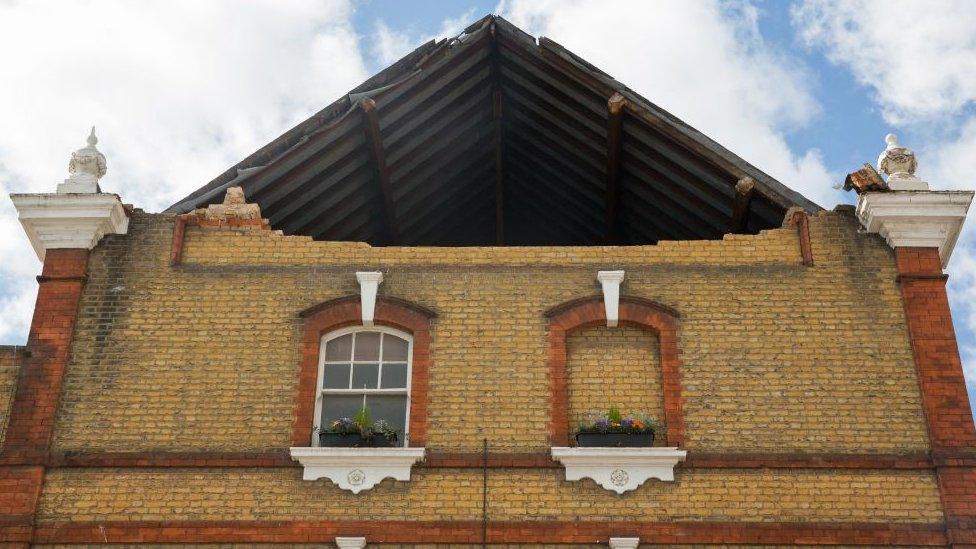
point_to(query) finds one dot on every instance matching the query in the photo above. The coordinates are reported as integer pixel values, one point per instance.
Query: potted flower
(383, 435)
(617, 431)
(357, 432)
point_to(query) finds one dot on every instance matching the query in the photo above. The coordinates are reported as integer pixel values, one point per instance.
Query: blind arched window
(365, 365)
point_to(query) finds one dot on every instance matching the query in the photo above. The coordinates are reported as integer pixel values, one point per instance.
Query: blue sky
(804, 89)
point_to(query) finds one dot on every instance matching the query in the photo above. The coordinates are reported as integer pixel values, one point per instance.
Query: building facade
(490, 244)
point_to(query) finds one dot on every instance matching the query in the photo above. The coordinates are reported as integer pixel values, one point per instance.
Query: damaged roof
(493, 137)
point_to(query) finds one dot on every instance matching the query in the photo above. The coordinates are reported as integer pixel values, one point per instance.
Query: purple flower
(626, 423)
(603, 423)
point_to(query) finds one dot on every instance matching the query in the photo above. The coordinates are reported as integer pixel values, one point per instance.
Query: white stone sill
(357, 469)
(619, 469)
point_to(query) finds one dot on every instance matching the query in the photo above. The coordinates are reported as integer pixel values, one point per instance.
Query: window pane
(336, 376)
(337, 406)
(364, 376)
(392, 408)
(394, 349)
(394, 375)
(367, 346)
(339, 349)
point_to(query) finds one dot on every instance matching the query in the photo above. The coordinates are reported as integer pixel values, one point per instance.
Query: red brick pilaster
(944, 398)
(35, 401)
(634, 311)
(342, 312)
(35, 404)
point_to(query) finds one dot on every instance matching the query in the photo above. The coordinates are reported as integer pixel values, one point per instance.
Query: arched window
(370, 366)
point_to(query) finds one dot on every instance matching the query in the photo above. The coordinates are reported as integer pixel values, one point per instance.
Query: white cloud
(919, 58)
(179, 91)
(389, 44)
(705, 62)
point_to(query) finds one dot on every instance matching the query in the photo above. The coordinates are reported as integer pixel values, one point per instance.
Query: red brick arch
(634, 311)
(339, 313)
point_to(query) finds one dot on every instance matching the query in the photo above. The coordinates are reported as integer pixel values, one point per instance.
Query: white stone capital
(925, 219)
(69, 220)
(611, 294)
(350, 543)
(369, 283)
(624, 543)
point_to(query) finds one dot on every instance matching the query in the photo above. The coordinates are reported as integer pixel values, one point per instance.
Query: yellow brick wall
(10, 360)
(775, 356)
(536, 495)
(619, 367)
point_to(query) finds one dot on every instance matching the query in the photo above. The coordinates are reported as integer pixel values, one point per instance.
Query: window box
(355, 440)
(619, 469)
(615, 440)
(357, 469)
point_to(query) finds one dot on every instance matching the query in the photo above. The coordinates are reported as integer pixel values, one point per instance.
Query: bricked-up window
(365, 365)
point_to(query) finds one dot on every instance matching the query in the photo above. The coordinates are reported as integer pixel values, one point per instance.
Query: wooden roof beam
(371, 126)
(615, 109)
(499, 168)
(497, 128)
(744, 189)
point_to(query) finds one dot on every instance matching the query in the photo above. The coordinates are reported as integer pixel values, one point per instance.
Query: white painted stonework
(357, 469)
(611, 294)
(369, 283)
(350, 543)
(78, 215)
(624, 543)
(619, 469)
(69, 220)
(916, 218)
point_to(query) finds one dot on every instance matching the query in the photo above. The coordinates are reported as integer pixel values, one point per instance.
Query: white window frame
(322, 393)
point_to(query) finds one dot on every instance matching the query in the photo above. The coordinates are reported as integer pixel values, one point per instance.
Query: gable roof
(492, 137)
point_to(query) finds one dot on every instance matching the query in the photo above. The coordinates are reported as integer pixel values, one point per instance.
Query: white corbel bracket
(619, 469)
(611, 294)
(925, 219)
(624, 543)
(356, 469)
(369, 283)
(350, 543)
(77, 221)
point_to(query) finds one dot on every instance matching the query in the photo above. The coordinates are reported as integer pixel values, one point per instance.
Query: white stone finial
(87, 166)
(899, 164)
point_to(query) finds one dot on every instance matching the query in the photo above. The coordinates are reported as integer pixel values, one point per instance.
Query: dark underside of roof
(494, 138)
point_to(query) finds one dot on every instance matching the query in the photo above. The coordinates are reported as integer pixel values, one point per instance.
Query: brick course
(526, 495)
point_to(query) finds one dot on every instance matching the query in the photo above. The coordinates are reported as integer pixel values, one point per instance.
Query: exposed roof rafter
(495, 138)
(615, 111)
(374, 138)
